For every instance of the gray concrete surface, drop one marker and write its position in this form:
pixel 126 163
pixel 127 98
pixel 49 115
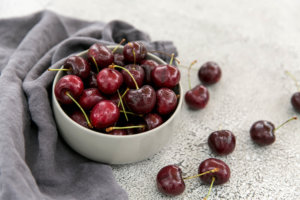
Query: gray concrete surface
pixel 254 42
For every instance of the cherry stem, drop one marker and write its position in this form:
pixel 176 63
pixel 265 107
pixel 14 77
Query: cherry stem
pixel 287 121
pixel 59 69
pixel 211 185
pixel 178 96
pixel 131 113
pixel 115 49
pixel 134 58
pixel 164 53
pixel 95 64
pixel 117 66
pixel 294 78
pixel 189 73
pixel 86 117
pixel 127 89
pixel 172 58
pixel 122 105
pixel 109 129
pixel 207 172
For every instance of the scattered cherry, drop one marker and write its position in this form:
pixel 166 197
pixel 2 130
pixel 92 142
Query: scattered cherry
pixel 134 52
pixel 209 73
pixel 100 56
pixel 222 142
pixel 263 132
pixel 222 175
pixel 166 101
pixel 295 99
pixel 89 98
pixel 104 114
pixel 109 80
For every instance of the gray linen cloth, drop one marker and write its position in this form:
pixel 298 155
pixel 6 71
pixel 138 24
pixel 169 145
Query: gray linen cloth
pixel 35 163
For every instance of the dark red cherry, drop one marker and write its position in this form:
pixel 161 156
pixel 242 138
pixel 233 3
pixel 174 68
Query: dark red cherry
pixel 166 101
pixel 78 117
pixel 69 83
pixel 165 76
pixel 262 132
pixel 141 101
pixel 119 59
pixel 101 54
pixel 78 66
pixel 197 98
pixel 115 98
pixel 222 142
pixel 153 120
pixel 295 100
pixel 139 50
pixel 209 73
pixel 91 81
pixel 104 114
pixel 222 175
pixel 109 80
pixel 148 66
pixel 89 98
pixel 169 180
pixel 118 132
pixel 138 74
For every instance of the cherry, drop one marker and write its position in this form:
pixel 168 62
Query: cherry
pixel 91 81
pixel 165 76
pixel 142 100
pixel 295 100
pixel 138 74
pixel 100 55
pixel 220 176
pixel 119 59
pixel 197 97
pixel 166 101
pixel 78 66
pixel 209 73
pixel 169 180
pixel 134 52
pixel 118 132
pixel 90 97
pixel 222 142
pixel 78 117
pixel 148 66
pixel 69 83
pixel 153 120
pixel 109 80
pixel 262 132
pixel 104 114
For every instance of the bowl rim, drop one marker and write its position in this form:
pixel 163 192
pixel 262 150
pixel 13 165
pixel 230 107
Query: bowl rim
pixel 97 133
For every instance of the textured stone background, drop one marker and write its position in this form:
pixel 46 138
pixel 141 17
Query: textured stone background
pixel 254 42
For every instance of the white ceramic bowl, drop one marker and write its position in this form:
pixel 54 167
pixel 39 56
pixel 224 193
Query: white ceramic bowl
pixel 114 149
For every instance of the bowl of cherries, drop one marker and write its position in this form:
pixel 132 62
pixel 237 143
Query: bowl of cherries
pixel 116 104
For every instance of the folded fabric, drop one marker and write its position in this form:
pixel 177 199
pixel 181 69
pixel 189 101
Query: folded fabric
pixel 35 162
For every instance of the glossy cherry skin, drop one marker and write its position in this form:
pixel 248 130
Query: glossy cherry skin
pixel 119 59
pixel 139 50
pixel 165 76
pixel 118 132
pixel 148 66
pixel 169 180
pixel 262 132
pixel 91 81
pixel 104 114
pixel 102 55
pixel 138 74
pixel 78 66
pixel 90 97
pixel 153 120
pixel 141 101
pixel 295 100
pixel 166 101
pixel 69 83
pixel 221 176
pixel 209 73
pixel 109 80
pixel 222 142
pixel 78 117
pixel 197 98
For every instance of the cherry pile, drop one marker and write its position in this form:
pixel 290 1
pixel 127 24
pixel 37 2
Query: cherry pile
pixel 118 93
